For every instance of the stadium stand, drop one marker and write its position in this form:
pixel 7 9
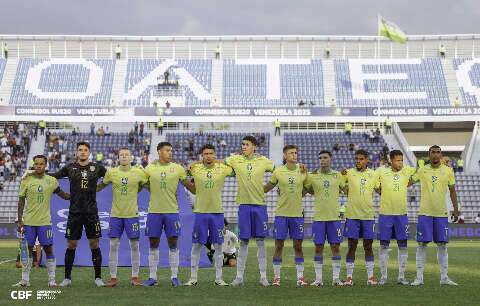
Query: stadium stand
pixel 194 78
pixel 63 82
pixel 472 78
pixel 246 84
pixel 15 140
pixel 421 76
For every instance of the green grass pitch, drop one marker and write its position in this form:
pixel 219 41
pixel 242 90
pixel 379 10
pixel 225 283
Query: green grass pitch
pixel 464 259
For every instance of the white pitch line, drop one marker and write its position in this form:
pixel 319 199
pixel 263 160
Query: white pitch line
pixel 8 260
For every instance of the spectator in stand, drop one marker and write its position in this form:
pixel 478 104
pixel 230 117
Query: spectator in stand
pixel 42 124
pixel 371 136
pixel 351 147
pixel 453 163
pixel 118 51
pixel 101 132
pixel 135 128
pixel 223 143
pixel 348 128
pixel 460 165
pixel 92 129
pixel 142 126
pixel 131 137
pixel 336 147
pixel 107 131
pixel 477 218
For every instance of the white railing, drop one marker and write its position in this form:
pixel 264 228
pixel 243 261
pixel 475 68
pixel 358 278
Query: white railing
pixel 470 147
pixel 397 132
pixel 236 46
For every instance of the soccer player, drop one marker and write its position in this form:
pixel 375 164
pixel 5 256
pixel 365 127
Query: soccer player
pixel 83 176
pixel 289 212
pixel 435 179
pixel 126 182
pixel 360 215
pixel 250 170
pixel 163 178
pixel 326 184
pixel 34 220
pixel 393 219
pixel 209 178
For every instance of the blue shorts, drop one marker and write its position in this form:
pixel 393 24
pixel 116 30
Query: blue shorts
pixel 393 227
pixel 432 229
pixel 356 229
pixel 43 232
pixel 130 225
pixel 332 230
pixel 252 221
pixel 156 223
pixel 288 225
pixel 208 227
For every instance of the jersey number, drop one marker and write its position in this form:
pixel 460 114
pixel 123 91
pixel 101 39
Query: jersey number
pixel 84 184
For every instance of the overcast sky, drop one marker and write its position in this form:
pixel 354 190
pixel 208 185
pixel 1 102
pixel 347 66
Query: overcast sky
pixel 247 17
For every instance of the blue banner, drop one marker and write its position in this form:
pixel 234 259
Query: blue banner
pixel 59 210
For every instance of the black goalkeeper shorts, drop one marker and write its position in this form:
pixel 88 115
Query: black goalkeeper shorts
pixel 76 223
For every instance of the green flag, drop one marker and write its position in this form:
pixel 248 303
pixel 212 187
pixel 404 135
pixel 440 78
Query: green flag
pixel 391 31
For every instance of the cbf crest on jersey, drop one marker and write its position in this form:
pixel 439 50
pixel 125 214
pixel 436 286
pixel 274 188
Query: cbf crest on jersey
pixel 326 184
pixel 291 180
pixel 249 167
pixel 84 174
pixel 396 177
pixel 92 168
pixel 163 175
pixel 209 174
pixel 124 180
pixel 363 181
pixel 40 188
pixel 434 178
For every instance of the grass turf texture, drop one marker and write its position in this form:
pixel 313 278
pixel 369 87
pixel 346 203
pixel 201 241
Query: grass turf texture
pixel 464 263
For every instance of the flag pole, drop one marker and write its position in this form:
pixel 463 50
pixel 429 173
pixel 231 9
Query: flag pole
pixel 378 70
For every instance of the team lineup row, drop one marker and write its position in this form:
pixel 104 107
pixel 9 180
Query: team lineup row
pixel 206 178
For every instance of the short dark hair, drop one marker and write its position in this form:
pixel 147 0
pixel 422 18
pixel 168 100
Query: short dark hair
pixel 250 138
pixel 362 152
pixel 163 144
pixel 40 156
pixel 123 148
pixel 225 222
pixel 394 153
pixel 325 152
pixel 83 143
pixel 434 147
pixel 289 147
pixel 207 146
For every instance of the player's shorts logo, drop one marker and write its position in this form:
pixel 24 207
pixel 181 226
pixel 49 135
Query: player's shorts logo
pixel 40 189
pixel 396 177
pixel 124 180
pixel 326 184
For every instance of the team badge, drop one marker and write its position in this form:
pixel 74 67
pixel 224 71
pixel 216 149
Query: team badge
pixel 249 167
pixel 209 174
pixel 124 180
pixel 326 184
pixel 84 174
pixel 92 168
pixel 363 181
pixel 434 178
pixel 396 177
pixel 163 175
pixel 40 188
